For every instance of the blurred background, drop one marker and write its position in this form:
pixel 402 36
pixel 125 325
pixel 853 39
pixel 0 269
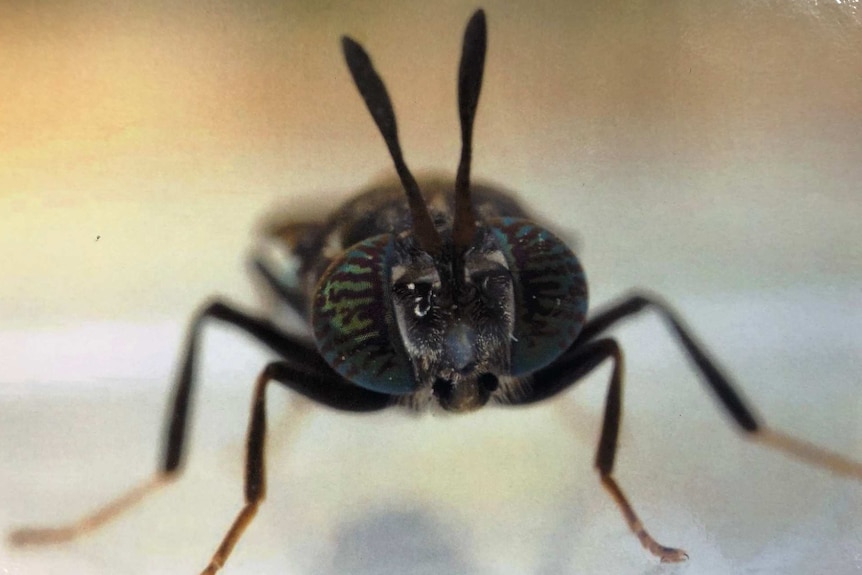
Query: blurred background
pixel 706 150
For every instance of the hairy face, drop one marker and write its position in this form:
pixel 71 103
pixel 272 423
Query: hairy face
pixel 456 331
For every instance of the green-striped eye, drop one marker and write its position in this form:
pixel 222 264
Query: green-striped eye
pixel 353 322
pixel 550 291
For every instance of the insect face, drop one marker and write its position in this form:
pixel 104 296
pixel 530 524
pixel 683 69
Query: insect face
pixel 391 317
pixel 450 299
pixel 456 331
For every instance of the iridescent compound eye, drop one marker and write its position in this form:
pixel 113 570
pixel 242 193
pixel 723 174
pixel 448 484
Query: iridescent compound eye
pixel 550 292
pixel 353 323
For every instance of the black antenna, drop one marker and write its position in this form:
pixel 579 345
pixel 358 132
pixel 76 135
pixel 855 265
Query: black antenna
pixel 377 100
pixel 469 85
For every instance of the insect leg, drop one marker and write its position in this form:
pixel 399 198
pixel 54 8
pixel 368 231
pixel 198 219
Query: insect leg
pixel 51 535
pixel 255 468
pixel 720 384
pixel 297 352
pixel 569 370
pixel 718 381
pixel 264 331
pixel 255 479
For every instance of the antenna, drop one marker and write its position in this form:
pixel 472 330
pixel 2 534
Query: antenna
pixel 377 100
pixel 469 85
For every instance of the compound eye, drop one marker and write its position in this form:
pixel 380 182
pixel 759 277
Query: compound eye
pixel 353 321
pixel 550 291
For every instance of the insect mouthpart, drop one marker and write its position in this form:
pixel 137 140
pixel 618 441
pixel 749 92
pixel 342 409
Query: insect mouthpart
pixel 461 394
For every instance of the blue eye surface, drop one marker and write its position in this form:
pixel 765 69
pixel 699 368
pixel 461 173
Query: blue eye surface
pixel 550 292
pixel 353 323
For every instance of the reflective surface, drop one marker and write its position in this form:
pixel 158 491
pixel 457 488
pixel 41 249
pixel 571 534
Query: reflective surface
pixel 706 151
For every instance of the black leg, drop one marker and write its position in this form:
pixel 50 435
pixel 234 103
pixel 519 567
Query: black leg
pixel 577 363
pixel 303 370
pixel 255 467
pixel 255 474
pixel 330 390
pixel 718 382
pixel 293 350
pixel 587 353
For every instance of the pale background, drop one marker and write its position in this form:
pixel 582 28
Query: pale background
pixel 707 150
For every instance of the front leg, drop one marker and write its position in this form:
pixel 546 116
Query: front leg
pixel 255 466
pixel 576 364
pixel 588 352
pixel 255 476
pixel 303 370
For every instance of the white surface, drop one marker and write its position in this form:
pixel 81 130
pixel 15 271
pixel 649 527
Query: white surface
pixel 706 151
pixel 502 491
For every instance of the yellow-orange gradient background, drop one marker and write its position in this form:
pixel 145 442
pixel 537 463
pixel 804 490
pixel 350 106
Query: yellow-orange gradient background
pixel 707 150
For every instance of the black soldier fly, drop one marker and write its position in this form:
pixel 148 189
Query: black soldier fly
pixel 449 296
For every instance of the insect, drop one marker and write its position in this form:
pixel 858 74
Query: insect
pixel 444 295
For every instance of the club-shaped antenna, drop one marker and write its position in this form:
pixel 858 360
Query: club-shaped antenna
pixel 469 85
pixel 379 105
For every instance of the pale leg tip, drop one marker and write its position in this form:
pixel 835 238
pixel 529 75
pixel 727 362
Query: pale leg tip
pixel 671 555
pixel 25 537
